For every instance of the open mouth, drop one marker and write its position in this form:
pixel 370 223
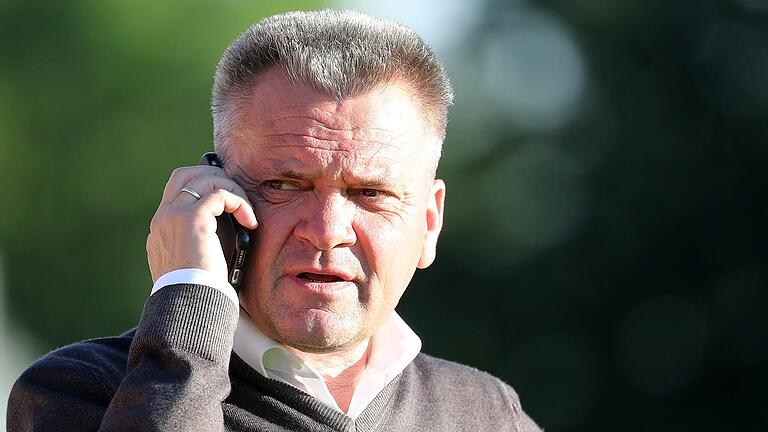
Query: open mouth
pixel 324 278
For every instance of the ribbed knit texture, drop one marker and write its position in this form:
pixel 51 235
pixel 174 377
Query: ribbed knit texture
pixel 207 333
pixel 176 372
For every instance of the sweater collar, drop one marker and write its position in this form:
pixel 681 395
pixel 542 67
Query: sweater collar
pixel 392 348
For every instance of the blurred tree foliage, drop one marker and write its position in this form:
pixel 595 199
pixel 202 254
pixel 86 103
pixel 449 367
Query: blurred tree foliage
pixel 605 241
pixel 612 242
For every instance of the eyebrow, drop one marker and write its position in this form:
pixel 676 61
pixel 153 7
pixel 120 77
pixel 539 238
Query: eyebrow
pixel 372 181
pixel 291 174
pixel 285 169
pixel 277 167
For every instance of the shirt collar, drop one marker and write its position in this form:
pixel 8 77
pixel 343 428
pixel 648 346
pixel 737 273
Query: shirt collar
pixel 250 343
pixel 392 349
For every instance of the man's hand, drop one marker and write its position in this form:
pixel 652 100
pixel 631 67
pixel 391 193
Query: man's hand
pixel 183 229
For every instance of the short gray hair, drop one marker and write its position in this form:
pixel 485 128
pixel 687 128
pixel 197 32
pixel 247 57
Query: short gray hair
pixel 338 53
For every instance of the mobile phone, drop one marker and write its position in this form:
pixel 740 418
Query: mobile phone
pixel 233 237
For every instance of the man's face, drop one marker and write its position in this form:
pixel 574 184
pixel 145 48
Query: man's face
pixel 346 204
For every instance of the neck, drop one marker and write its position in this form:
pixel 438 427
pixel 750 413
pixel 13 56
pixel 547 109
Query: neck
pixel 341 371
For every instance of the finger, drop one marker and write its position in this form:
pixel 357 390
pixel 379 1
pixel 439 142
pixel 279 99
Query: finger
pixel 184 175
pixel 223 201
pixel 206 184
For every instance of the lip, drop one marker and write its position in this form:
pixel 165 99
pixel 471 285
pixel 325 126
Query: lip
pixel 341 274
pixel 324 289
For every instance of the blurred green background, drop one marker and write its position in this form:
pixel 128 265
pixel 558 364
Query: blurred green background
pixel 605 243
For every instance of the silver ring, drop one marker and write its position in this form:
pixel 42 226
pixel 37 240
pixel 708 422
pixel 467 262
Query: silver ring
pixel 191 192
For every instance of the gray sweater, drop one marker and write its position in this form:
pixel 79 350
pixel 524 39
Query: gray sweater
pixel 176 372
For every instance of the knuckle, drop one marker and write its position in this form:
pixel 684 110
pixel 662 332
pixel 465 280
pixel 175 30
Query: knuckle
pixel 178 172
pixel 187 171
pixel 215 196
pixel 220 192
pixel 155 223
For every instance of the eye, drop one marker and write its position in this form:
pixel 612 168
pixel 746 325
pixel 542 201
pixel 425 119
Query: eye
pixel 365 192
pixel 369 192
pixel 281 185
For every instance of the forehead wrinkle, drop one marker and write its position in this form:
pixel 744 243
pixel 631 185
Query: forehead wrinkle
pixel 311 156
pixel 309 125
pixel 307 141
pixel 361 135
pixel 311 167
pixel 330 125
pixel 367 149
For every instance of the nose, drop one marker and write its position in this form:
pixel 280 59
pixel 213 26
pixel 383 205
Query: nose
pixel 326 222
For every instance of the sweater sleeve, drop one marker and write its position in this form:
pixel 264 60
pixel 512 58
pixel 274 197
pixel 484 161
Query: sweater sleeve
pixel 176 376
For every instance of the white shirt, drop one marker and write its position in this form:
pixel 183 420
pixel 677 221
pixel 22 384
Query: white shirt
pixel 391 349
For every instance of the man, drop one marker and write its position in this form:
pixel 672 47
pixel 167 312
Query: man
pixel 329 126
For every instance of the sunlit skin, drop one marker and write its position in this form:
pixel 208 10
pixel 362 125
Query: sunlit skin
pixel 347 210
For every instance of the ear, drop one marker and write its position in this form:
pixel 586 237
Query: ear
pixel 434 223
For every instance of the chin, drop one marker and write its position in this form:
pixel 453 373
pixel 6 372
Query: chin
pixel 320 331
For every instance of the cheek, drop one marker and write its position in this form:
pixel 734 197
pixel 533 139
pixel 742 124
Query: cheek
pixel 276 224
pixel 392 247
pixel 263 267
pixel 275 217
